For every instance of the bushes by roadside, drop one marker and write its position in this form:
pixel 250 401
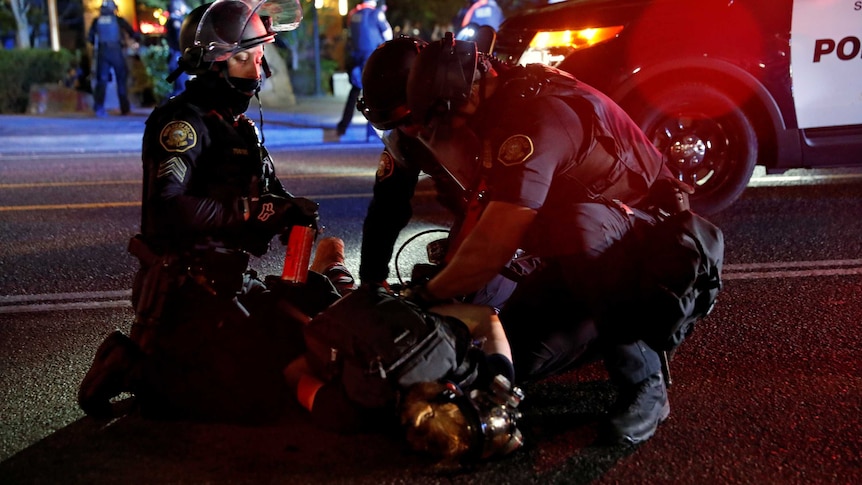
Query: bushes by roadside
pixel 22 68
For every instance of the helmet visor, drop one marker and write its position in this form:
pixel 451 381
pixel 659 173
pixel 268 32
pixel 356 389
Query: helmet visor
pixel 230 26
pixel 285 15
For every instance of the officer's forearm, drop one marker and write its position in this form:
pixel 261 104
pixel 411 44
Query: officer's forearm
pixel 471 268
pixel 488 247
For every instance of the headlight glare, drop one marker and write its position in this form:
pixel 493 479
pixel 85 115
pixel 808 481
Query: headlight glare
pixel 551 47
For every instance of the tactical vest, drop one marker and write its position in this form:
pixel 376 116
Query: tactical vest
pixel 108 30
pixel 610 168
pixel 364 30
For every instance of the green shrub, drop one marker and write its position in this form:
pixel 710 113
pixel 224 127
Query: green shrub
pixel 302 79
pixel 22 68
pixel 155 60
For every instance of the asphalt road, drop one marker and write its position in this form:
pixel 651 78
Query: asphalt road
pixel 767 390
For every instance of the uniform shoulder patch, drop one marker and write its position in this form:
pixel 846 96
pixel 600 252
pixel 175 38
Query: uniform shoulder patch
pixel 516 149
pixel 385 166
pixel 173 167
pixel 178 136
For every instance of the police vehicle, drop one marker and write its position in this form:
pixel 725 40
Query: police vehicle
pixel 718 85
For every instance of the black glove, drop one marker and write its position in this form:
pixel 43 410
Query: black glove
pixel 303 213
pixel 273 214
pixel 421 297
pixel 268 214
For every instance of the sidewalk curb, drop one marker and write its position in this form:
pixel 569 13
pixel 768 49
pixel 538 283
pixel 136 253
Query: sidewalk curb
pixel 311 121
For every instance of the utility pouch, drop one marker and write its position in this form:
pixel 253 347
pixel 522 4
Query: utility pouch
pixel 157 276
pixel 219 271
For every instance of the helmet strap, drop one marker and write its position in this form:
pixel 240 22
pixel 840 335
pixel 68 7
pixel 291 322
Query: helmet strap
pixel 260 115
pixel 176 72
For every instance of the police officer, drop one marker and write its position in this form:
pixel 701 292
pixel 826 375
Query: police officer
pixel 208 341
pixel 106 35
pixel 178 10
pixel 552 154
pixel 384 105
pixel 368 28
pixel 479 12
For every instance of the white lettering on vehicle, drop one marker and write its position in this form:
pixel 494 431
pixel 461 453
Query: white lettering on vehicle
pixel 826 62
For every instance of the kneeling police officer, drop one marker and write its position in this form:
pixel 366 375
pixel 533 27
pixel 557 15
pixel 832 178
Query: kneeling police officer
pixel 207 341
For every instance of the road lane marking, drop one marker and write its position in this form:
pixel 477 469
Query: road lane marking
pixel 791 274
pixel 121 298
pixel 52 207
pixel 49 302
pixel 37 185
pixel 104 205
pixel 791 269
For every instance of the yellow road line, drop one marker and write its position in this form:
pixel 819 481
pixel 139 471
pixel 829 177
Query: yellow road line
pixel 32 185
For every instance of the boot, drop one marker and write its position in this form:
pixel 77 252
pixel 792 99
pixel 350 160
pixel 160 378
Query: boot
pixel 638 412
pixel 109 375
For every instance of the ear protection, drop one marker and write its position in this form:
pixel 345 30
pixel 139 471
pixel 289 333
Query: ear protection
pixel 193 60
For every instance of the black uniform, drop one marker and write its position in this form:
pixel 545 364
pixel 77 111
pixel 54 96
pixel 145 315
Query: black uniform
pixel 551 143
pixel 401 162
pixel 215 337
pixel 106 35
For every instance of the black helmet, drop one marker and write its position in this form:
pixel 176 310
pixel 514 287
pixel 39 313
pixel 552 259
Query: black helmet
pixel 107 7
pixel 384 82
pixel 216 31
pixel 441 77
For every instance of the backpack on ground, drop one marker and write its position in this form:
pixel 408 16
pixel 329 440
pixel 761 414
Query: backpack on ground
pixel 677 276
pixel 377 343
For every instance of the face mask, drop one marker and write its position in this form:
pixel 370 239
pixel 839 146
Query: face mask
pixel 247 87
pixel 237 92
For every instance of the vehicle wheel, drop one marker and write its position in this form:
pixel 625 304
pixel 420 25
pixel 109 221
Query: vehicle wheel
pixel 707 140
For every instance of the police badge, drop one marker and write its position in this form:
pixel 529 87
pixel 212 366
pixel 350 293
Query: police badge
pixel 178 136
pixel 385 166
pixel 516 149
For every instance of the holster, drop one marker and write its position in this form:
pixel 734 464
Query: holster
pixel 219 271
pixel 157 274
pixel 670 196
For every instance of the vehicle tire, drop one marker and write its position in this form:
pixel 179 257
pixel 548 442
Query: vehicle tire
pixel 707 140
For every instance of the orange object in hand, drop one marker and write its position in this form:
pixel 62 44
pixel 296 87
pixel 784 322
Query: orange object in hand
pixel 298 254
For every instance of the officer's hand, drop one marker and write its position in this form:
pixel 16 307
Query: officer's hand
pixel 420 296
pixel 304 212
pixel 268 213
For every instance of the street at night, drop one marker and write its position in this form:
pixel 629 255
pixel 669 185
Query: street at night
pixel 767 390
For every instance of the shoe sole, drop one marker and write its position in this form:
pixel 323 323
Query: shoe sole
pixel 636 440
pixel 98 407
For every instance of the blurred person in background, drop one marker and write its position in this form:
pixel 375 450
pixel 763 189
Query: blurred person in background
pixel 178 11
pixel 368 28
pixel 107 36
pixel 478 13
